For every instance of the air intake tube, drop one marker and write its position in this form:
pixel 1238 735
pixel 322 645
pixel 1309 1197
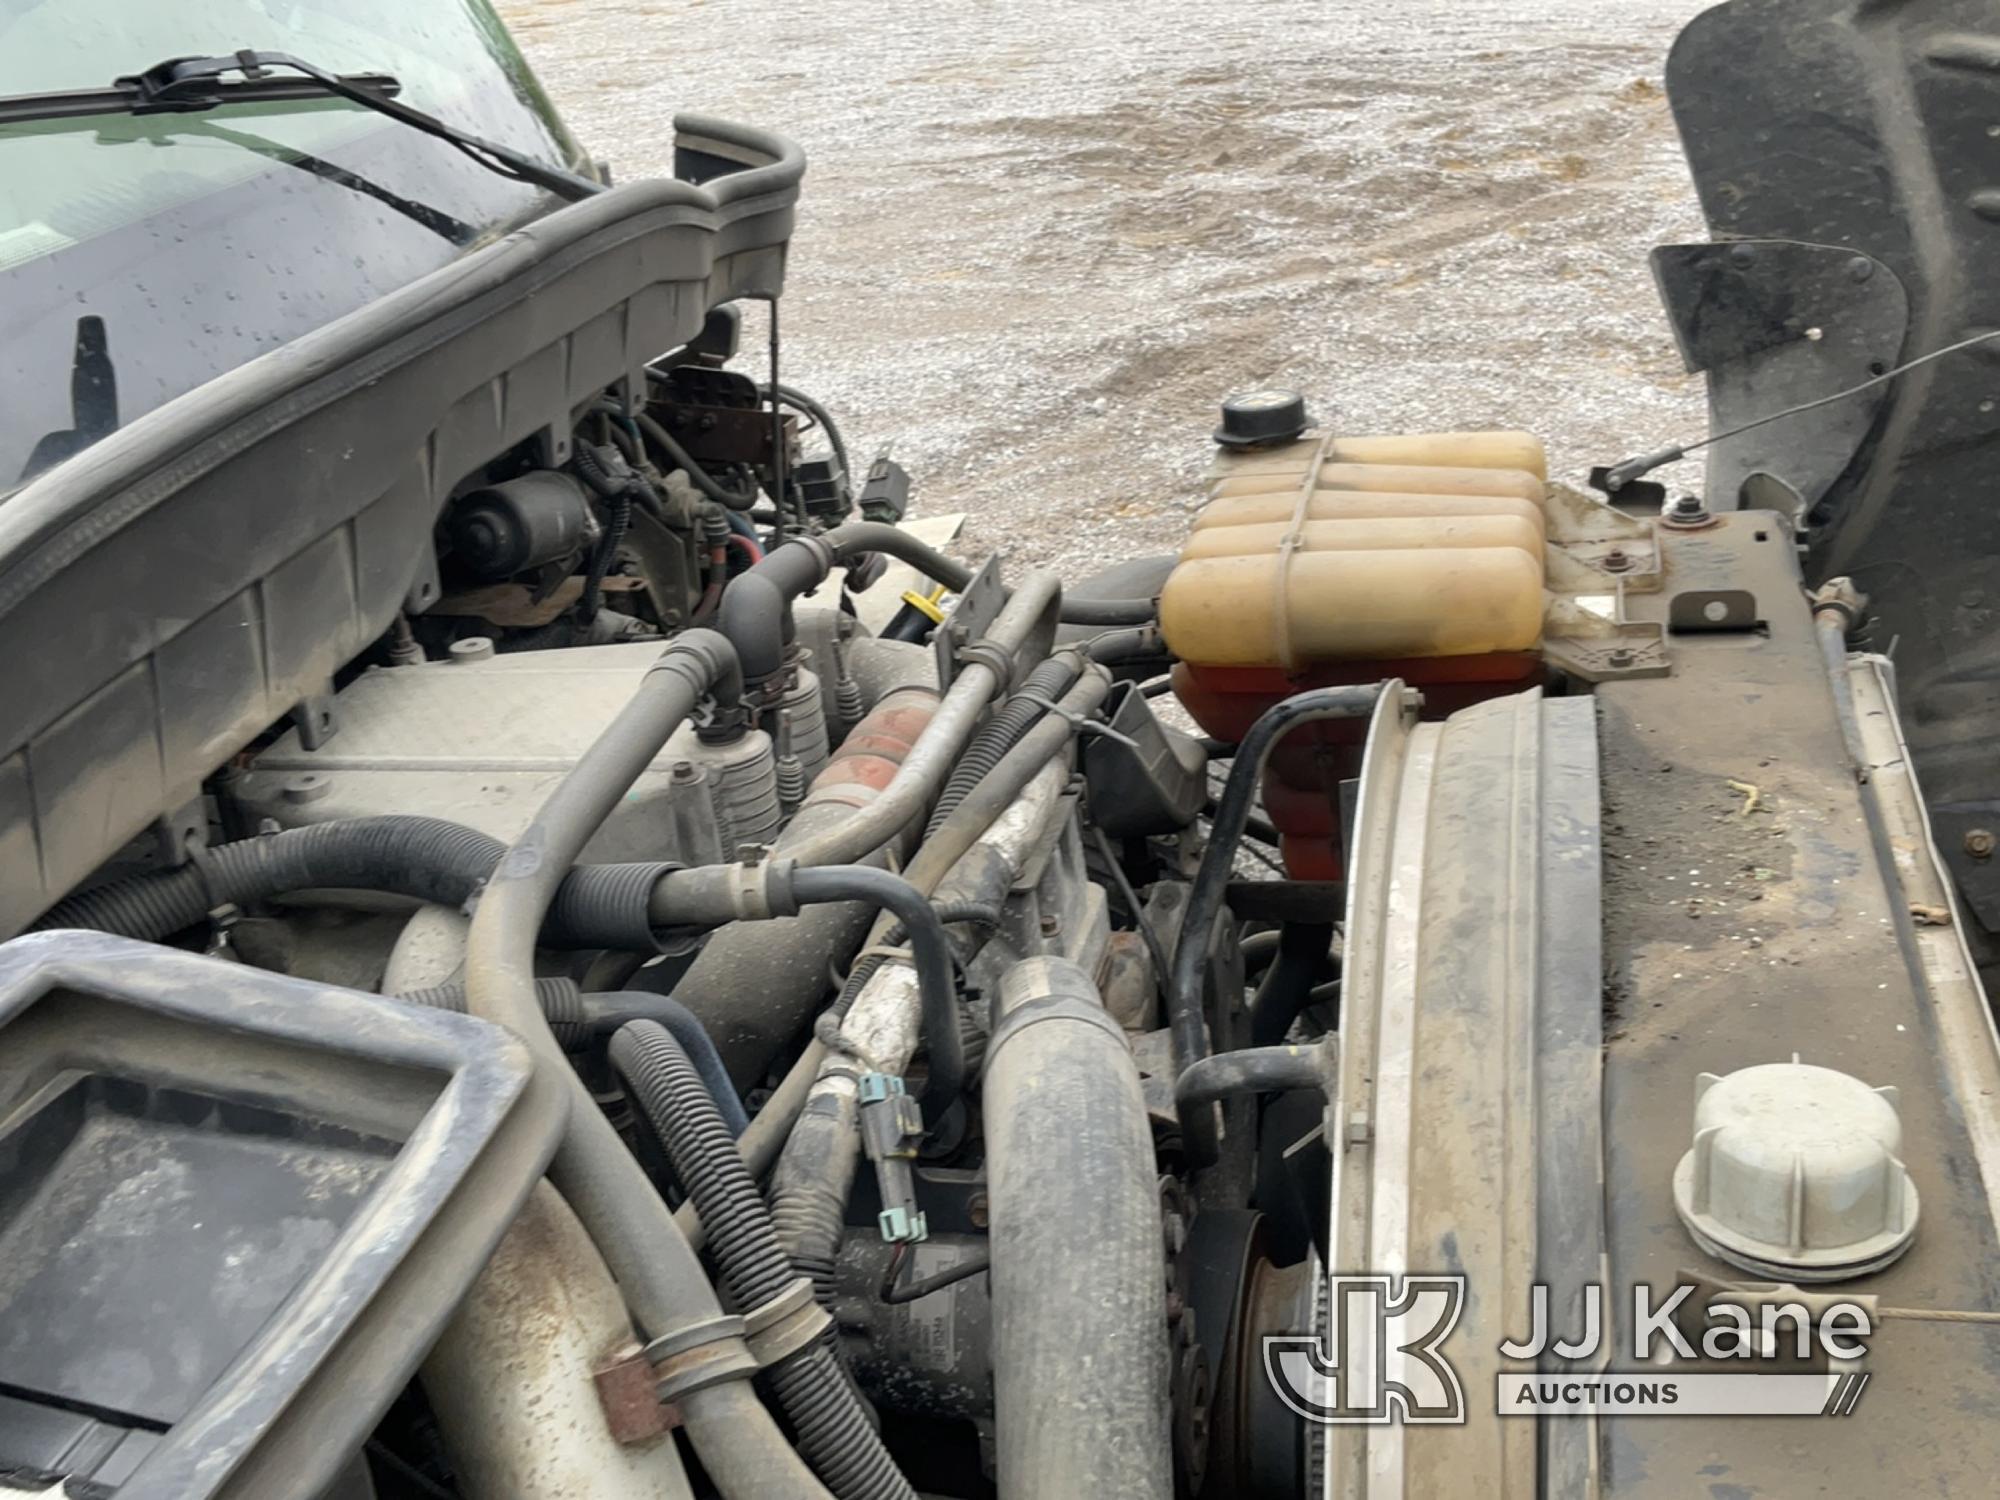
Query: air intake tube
pixel 1079 1299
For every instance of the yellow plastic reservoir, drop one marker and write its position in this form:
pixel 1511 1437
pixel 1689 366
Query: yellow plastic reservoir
pixel 1441 450
pixel 1371 534
pixel 1357 505
pixel 1339 548
pixel 1410 479
pixel 1261 611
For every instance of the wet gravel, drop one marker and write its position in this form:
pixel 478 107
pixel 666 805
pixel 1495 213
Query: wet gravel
pixel 1038 243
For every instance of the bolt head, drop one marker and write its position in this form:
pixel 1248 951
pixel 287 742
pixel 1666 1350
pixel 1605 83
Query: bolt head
pixel 1979 843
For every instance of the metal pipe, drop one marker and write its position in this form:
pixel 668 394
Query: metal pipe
pixel 815 1172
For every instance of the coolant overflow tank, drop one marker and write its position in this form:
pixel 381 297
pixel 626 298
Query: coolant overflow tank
pixel 1796 1173
pixel 1337 559
pixel 1289 568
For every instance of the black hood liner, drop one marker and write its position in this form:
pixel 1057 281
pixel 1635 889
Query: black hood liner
pixel 1869 129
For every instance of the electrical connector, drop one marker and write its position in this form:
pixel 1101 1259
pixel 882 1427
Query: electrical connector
pixel 892 1128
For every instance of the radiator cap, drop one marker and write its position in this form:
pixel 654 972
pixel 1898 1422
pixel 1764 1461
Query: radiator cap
pixel 1252 419
pixel 1796 1173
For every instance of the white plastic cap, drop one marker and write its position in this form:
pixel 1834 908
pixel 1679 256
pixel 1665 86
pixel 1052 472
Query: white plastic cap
pixel 1797 1173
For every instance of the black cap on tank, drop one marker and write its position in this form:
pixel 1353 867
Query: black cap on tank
pixel 1251 419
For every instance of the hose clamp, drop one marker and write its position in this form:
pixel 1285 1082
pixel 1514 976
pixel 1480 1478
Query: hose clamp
pixel 993 656
pixel 699 1356
pixel 762 890
pixel 791 1321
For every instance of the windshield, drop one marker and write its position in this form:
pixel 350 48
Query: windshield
pixel 141 256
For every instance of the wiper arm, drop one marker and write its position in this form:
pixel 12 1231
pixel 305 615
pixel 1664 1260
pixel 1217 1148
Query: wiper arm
pixel 187 84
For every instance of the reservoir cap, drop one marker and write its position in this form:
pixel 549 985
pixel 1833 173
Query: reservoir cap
pixel 1251 419
pixel 1796 1173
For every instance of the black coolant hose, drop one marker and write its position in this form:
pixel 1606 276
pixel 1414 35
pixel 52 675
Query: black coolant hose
pixel 792 396
pixel 1301 962
pixel 1003 731
pixel 608 1012
pixel 427 859
pixel 1080 1356
pixel 974 913
pixel 579 1019
pixel 423 859
pixel 930 956
pixel 834 1432
pixel 1188 1027
pixel 617 491
pixel 1135 643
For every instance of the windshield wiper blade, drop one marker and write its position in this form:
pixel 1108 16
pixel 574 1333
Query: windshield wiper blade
pixel 128 97
pixel 186 84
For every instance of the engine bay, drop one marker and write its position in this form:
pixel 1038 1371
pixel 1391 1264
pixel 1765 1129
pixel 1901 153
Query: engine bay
pixel 578 955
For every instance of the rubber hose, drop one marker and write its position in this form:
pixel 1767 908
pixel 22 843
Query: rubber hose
pixel 616 490
pixel 561 1002
pixel 660 1277
pixel 1287 987
pixel 792 396
pixel 930 956
pixel 810 1184
pixel 1185 1021
pixel 1139 643
pixel 609 1011
pixel 592 598
pixel 426 859
pixel 697 475
pixel 1003 731
pixel 1253 1070
pixel 1078 1302
pixel 834 1431
pixel 854 538
pixel 951 913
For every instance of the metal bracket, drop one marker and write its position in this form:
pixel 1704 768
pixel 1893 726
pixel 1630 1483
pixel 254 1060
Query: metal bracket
pixel 314 716
pixel 1635 648
pixel 978 605
pixel 632 1407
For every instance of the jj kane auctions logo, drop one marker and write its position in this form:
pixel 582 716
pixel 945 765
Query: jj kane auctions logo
pixel 1382 1357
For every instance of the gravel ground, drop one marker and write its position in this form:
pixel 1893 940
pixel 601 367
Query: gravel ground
pixel 1038 243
